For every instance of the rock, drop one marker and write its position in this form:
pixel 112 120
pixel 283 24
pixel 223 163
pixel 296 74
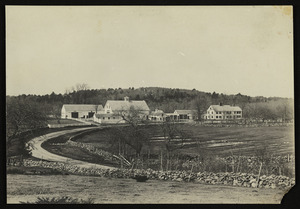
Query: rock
pixel 273 186
pixel 254 184
pixel 208 180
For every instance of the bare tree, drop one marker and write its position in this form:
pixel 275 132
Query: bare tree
pixel 81 87
pixel 22 116
pixel 174 139
pixel 134 134
pixel 201 104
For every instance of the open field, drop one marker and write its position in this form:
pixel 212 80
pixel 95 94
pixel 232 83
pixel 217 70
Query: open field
pixel 105 190
pixel 203 148
pixel 56 145
pixel 218 141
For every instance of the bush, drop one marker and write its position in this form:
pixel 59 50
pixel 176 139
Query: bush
pixel 14 170
pixel 34 171
pixel 60 200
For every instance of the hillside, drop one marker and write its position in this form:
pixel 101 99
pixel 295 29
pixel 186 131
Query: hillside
pixel 166 99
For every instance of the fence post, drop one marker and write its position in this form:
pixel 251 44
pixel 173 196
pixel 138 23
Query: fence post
pixel 161 161
pixel 237 169
pixel 191 173
pixel 258 174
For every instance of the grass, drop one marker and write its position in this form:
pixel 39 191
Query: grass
pixel 28 188
pixel 204 142
pixel 218 141
pixel 32 170
pixel 17 144
pixel 63 121
pixel 59 200
pixel 73 152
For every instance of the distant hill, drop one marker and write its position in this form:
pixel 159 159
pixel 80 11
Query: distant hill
pixel 166 99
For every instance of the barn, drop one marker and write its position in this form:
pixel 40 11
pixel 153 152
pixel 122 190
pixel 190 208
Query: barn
pixel 114 109
pixel 82 111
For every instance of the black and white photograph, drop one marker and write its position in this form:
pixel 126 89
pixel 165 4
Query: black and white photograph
pixel 149 104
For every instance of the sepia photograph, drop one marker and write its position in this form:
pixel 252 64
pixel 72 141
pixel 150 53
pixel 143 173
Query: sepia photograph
pixel 149 104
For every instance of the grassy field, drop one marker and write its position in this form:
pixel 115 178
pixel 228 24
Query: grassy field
pixel 105 190
pixel 32 170
pixel 57 146
pixel 17 144
pixel 204 143
pixel 218 141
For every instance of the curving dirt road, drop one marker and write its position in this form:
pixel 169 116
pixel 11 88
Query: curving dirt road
pixel 38 152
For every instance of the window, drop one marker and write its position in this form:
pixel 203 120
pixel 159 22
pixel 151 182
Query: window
pixel 108 118
pixel 212 116
pixel 114 118
pixel 220 117
pixel 212 112
pixel 217 116
pixel 103 118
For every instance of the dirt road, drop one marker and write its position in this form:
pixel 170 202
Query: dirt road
pixel 38 152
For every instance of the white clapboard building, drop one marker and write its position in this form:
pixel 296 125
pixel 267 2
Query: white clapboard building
pixel 114 109
pixel 82 111
pixel 223 112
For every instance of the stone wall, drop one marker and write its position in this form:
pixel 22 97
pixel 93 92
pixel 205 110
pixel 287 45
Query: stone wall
pixel 234 179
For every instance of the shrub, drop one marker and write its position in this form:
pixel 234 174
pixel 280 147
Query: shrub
pixel 60 200
pixel 14 170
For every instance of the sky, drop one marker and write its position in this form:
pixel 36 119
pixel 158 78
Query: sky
pixel 226 49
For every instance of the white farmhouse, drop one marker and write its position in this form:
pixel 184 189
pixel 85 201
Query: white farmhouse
pixel 223 112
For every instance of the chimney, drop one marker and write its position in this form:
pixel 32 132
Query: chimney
pixel 221 104
pixel 126 99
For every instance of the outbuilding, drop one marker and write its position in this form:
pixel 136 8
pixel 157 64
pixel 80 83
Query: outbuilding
pixel 82 111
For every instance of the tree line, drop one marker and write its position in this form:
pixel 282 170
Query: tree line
pixel 25 112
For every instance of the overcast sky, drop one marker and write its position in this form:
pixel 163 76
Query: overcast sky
pixel 223 49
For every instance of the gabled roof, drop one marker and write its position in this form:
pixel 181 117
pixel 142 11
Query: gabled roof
pixel 125 105
pixel 82 107
pixel 157 113
pixel 185 112
pixel 225 108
